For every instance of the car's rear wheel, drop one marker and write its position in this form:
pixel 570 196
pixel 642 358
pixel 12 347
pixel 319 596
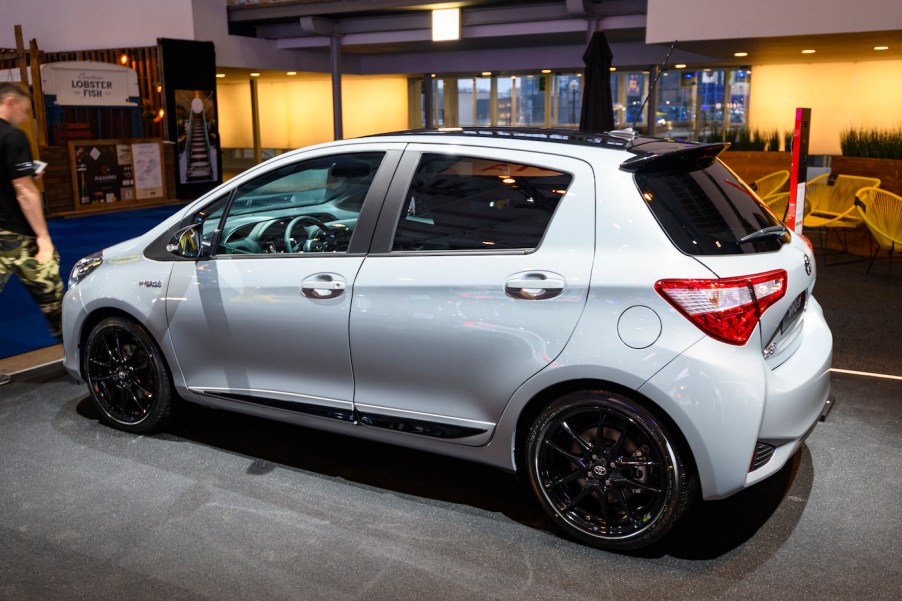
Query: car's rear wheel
pixel 127 376
pixel 606 470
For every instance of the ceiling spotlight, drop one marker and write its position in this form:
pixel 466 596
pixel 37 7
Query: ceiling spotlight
pixel 123 59
pixel 808 51
pixel 486 73
pixel 740 54
pixel 881 47
pixel 220 75
pixel 292 73
pixel 613 69
pixel 546 71
pixel 680 66
pixel 445 24
pixel 255 74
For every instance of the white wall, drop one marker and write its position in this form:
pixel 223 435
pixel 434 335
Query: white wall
pixel 210 20
pixel 63 25
pixel 688 20
pixel 298 113
pixel 840 96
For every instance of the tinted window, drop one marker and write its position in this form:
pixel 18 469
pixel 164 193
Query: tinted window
pixel 467 203
pixel 308 206
pixel 708 212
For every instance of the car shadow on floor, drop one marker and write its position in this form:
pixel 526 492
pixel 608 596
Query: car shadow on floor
pixel 708 530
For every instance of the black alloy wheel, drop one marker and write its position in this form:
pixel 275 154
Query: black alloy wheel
pixel 127 376
pixel 607 471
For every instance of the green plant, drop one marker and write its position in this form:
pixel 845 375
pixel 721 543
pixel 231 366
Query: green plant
pixel 746 139
pixel 715 136
pixel 872 142
pixel 787 141
pixel 773 141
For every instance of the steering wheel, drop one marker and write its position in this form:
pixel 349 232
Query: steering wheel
pixel 245 245
pixel 291 245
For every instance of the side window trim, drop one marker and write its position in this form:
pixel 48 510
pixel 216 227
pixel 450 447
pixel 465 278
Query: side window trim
pixel 370 210
pixel 394 201
pixel 397 199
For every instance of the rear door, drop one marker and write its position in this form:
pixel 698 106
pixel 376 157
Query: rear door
pixel 477 278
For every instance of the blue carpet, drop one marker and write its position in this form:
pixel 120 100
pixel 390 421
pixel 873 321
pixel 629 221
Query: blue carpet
pixel 22 326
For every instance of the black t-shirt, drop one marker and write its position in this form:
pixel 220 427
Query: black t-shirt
pixel 15 162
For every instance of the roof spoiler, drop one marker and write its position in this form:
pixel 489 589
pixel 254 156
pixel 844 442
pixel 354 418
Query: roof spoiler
pixel 690 158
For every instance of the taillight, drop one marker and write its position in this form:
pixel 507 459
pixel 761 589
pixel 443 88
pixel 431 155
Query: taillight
pixel 729 308
pixel 807 241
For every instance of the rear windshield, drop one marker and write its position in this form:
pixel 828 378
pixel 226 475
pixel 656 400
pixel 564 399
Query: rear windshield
pixel 708 212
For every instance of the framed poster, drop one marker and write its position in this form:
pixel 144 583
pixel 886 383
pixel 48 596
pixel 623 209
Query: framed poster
pixel 106 172
pixel 198 145
pixel 188 68
pixel 148 169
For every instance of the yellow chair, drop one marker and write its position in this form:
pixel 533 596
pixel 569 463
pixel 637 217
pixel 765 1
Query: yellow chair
pixel 779 204
pixel 770 184
pixel 833 201
pixel 881 212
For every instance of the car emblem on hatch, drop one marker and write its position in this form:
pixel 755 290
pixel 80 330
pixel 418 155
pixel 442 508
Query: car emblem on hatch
pixel 807 262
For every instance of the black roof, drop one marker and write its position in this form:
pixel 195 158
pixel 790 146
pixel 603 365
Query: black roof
pixel 653 154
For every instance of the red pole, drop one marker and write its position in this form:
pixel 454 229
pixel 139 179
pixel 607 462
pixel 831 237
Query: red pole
pixel 795 213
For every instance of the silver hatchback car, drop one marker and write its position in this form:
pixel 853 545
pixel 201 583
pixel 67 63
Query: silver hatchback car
pixel 617 318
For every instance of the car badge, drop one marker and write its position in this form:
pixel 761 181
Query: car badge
pixel 807 262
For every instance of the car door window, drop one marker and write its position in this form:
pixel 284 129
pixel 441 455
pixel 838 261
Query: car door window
pixel 469 203
pixel 306 207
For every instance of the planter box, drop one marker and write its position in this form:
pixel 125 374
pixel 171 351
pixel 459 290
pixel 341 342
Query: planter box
pixel 753 164
pixel 888 170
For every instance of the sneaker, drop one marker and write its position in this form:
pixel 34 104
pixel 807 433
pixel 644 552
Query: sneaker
pixel 4 379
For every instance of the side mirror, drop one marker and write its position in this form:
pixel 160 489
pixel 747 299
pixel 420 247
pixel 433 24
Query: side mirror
pixel 188 243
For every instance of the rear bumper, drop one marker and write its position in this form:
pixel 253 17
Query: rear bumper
pixel 797 394
pixel 725 400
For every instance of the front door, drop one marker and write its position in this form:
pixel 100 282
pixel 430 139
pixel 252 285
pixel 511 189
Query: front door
pixel 265 320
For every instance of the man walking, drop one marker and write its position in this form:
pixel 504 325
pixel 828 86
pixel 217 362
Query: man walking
pixel 25 246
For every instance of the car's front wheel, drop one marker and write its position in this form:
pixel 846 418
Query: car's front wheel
pixel 127 376
pixel 606 470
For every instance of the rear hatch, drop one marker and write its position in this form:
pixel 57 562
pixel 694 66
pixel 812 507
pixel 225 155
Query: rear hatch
pixel 762 274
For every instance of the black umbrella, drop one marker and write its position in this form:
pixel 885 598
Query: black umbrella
pixel 598 106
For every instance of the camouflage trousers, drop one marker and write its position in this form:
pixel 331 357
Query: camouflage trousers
pixel 42 280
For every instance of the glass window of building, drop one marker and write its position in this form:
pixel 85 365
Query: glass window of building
pixel 703 104
pixel 530 100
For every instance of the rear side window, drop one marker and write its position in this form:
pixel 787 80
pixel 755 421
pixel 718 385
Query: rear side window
pixel 709 211
pixel 470 203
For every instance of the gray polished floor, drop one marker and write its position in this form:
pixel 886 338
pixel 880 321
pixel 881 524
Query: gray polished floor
pixel 223 506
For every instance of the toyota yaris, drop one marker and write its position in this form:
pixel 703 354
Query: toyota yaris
pixel 616 318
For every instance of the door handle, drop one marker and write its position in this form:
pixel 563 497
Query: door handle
pixel 323 285
pixel 534 285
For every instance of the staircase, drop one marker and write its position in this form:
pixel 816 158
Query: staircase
pixel 198 149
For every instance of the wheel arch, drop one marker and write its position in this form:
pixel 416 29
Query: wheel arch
pixel 539 401
pixel 98 315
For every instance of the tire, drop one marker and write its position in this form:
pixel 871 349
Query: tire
pixel 621 492
pixel 127 376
